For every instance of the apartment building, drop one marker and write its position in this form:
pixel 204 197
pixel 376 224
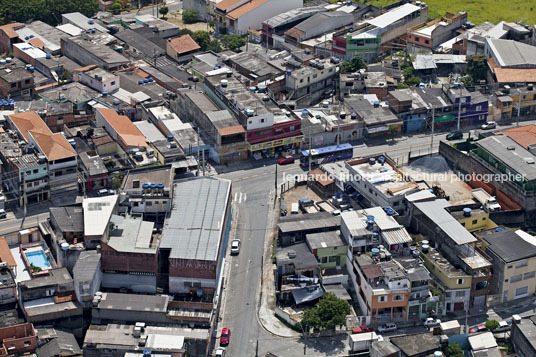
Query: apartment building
pixel 381 284
pixel 307 85
pixel 453 285
pixel 100 80
pixel 97 214
pixel 513 258
pixel 429 35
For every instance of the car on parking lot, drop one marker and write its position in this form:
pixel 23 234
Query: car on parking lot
pixel 225 336
pixel 286 160
pixel 488 125
pixel 220 352
pixel 504 326
pixel 431 322
pixel 478 328
pixel 455 135
pixel 235 246
pixel 388 327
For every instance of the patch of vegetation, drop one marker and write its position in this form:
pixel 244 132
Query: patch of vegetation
pixel 480 10
pixel 163 11
pixel 233 42
pixel 328 313
pixel 455 350
pixel 353 65
pixel 48 11
pixel 189 16
pixel 492 324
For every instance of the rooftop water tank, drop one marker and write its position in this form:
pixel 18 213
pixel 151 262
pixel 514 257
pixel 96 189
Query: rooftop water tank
pixel 288 72
pixel 8 59
pixel 425 242
pixel 90 21
pixel 370 219
pixel 223 82
pixel 140 82
pixel 425 248
pixel 375 251
pixel 467 212
pixel 31 68
pixel 145 186
pixel 104 93
pixel 145 81
pixel 161 186
pixel 93 30
pixel 150 79
pixel 64 246
pixel 170 137
pixel 153 185
pixel 499 229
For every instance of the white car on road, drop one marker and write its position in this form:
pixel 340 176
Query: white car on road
pixel 235 246
pixel 388 327
pixel 431 323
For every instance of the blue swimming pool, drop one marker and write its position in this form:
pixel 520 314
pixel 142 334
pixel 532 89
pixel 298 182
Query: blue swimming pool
pixel 37 259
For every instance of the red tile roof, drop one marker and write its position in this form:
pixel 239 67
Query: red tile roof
pixel 244 9
pixel 29 121
pixel 225 4
pixel 9 29
pixel 524 136
pixel 5 253
pixel 236 129
pixel 183 44
pixel 123 127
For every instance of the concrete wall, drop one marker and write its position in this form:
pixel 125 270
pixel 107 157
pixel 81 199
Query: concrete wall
pixel 137 283
pixel 255 17
pixel 198 5
pixel 176 284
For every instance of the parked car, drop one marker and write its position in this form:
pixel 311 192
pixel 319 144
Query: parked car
pixel 478 328
pixel 235 246
pixel 336 212
pixel 286 160
pixel 388 327
pixel 455 135
pixel 488 125
pixel 431 323
pixel 103 192
pixel 362 329
pixel 3 214
pixel 504 326
pixel 220 352
pixel 225 336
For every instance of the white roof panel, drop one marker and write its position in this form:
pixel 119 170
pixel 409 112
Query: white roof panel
pixel 393 16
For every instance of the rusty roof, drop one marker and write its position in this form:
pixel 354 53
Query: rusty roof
pixel 37 42
pixel 321 177
pixel 235 129
pixel 372 271
pixel 9 29
pixel 5 253
pixel 225 4
pixel 294 32
pixel 183 44
pixel 524 136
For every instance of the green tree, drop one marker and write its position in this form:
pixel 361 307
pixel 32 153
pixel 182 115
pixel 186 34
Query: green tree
pixel 354 65
pixel 477 67
pixel 116 183
pixel 329 312
pixel 116 7
pixel 163 11
pixel 454 350
pixel 189 16
pixel 214 46
pixel 467 80
pixel 48 11
pixel 66 75
pixel 185 31
pixel 232 42
pixel 202 38
pixel 492 324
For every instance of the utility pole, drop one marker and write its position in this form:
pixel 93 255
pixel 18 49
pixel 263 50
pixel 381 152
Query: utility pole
pixel 433 126
pixel 339 127
pixel 459 107
pixel 197 131
pixel 276 164
pixel 518 106
pixel 203 162
pixel 310 154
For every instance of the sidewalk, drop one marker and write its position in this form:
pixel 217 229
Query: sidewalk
pixel 266 311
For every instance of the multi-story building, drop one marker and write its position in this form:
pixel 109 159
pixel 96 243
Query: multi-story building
pixel 149 192
pixel 28 180
pixel 429 35
pixel 88 49
pixel 87 276
pixel 451 284
pixel 59 154
pixel 474 106
pixel 94 171
pixel 120 129
pixel 379 34
pixel 67 223
pixel 510 62
pixel 238 16
pixel 316 25
pixel 329 249
pixel 16 83
pixel 97 214
pixel 381 284
pixel 217 127
pixel 371 227
pixel 274 27
pixel 378 120
pixel 422 303
pixel 308 84
pixel 196 270
pixel 432 219
pixel 8 289
pixel 513 256
pixel 129 255
pixel 100 80
pixel 51 299
pixel 378 180
pixel 18 339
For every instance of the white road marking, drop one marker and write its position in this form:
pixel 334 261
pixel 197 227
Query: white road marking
pixel 236 196
pixel 240 198
pixel 245 196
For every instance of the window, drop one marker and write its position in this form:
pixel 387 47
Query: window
pixel 505 295
pixel 483 218
pixel 382 298
pixel 27 343
pixel 155 202
pixel 529 275
pixel 136 204
pixel 475 221
pixel 463 224
pixel 113 83
pixel 459 281
pixel 448 294
pixel 164 202
pixel 417 39
pixel 301 80
pixel 460 293
pixel 395 203
pixel 510 266
pixel 27 81
pixel 330 70
pixel 148 203
pixel 516 278
pixel 262 120
pixel 426 41
pixel 315 75
pixel 398 298
pixel 324 260
pixel 522 264
pixel 332 259
pixel 522 292
pixel 478 107
pixel 13 85
pixel 35 171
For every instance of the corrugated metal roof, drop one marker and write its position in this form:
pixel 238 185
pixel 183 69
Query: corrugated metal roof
pixel 195 226
pixel 517 159
pixel 394 15
pixel 435 211
pixel 397 236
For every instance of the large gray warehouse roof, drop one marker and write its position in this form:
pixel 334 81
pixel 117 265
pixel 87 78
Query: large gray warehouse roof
pixel 195 226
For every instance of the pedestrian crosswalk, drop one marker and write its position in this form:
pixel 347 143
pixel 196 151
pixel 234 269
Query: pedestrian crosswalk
pixel 240 197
